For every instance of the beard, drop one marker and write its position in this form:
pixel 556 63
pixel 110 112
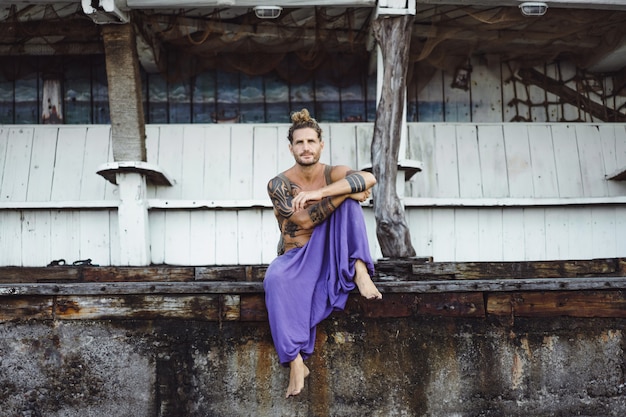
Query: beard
pixel 306 163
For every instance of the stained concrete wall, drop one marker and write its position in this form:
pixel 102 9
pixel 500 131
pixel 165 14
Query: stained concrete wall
pixel 418 366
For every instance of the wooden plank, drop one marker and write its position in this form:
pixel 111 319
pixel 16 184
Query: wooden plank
pixel 97 151
pixel 580 232
pixel 468 159
pixel 152 152
pixel 202 238
pixel 513 248
pixel 486 91
pixel 568 174
pixel 4 141
pixel 42 164
pixel 586 304
pixel 446 163
pixel 342 148
pixel 492 161
pixel 364 134
pixel 177 237
pixel 451 305
pixel 25 308
pixel 141 274
pixel 457 107
pixel 227 236
pixel 220 273
pixel 36 242
pixel 534 234
pixel 114 240
pixel 270 236
pixel 94 236
pixel 620 224
pixel 610 136
pixel 30 274
pixel 157 236
pixel 542 158
pixel 591 161
pixel 557 233
pixel 604 236
pixel 68 164
pixel 466 234
pixel 145 307
pixel 11 238
pixel 241 162
pixel 192 170
pixel 249 236
pixel 264 159
pixel 14 184
pixel 64 241
pixel 285 158
pixel 420 222
pixel 170 159
pixel 327 136
pixel 490 237
pixel 252 308
pixel 217 159
pixel 421 147
pixel 518 162
pixel 444 224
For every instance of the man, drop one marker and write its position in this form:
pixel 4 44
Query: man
pixel 323 251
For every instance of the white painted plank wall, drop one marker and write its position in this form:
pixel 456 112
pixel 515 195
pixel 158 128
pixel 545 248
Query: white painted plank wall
pixel 515 167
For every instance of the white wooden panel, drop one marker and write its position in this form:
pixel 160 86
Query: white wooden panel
pixel 370 224
pixel 364 136
pixel 227 236
pixel 565 155
pixel 610 135
pixel 42 164
pixel 420 222
pixel 513 234
pixel 604 238
pixel 581 233
pixel 265 159
pixel 620 226
pixel 157 236
pixel 270 236
pixel 568 72
pixel 470 181
pixel 202 237
pixel 443 235
pixel 36 238
pixel 152 152
pixel 97 151
pixel 457 107
pixel 486 92
pixel 114 240
pixel 250 235
pixel 342 147
pixel 285 158
pixel 4 141
pixel 192 173
pixel 328 138
pixel 16 165
pixel 534 234
pixel 537 96
pixel 510 93
pixel 170 158
pixel 591 162
pixel 177 237
pixel 490 238
pixel 492 161
pixel 542 158
pixel 65 235
pixel 466 234
pixel 11 238
pixel 421 147
pixel 446 163
pixel 217 159
pixel 553 108
pixel 68 165
pixel 94 236
pixel 518 162
pixel 557 233
pixel 241 165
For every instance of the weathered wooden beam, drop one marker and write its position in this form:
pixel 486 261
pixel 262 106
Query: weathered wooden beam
pixel 248 287
pixel 26 308
pixel 559 303
pixel 126 274
pixel 35 274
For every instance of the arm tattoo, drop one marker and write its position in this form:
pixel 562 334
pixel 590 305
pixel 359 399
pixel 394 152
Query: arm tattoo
pixel 281 197
pixel 320 211
pixel 357 182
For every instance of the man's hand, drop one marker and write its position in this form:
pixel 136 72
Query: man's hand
pixel 362 196
pixel 305 198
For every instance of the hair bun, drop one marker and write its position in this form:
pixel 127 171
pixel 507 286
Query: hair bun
pixel 301 116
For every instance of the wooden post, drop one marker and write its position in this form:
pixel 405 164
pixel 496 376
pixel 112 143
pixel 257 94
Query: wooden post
pixel 128 140
pixel 393 35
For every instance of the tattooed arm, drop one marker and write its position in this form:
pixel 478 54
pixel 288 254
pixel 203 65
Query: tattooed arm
pixel 345 183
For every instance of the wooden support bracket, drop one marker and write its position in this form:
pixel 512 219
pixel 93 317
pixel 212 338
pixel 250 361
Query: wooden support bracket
pixel 153 173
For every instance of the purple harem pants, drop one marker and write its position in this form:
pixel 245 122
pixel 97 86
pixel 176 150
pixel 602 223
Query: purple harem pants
pixel 305 285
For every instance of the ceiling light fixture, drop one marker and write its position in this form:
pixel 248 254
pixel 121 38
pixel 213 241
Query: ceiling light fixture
pixel 533 8
pixel 267 12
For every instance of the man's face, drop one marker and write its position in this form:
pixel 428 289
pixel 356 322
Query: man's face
pixel 306 146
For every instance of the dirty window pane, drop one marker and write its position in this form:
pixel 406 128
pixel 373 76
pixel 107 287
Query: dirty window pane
pixel 204 97
pixel 157 99
pixel 276 100
pixel 179 95
pixel 353 102
pixel 27 100
pixel 327 99
pixel 100 91
pixel 302 96
pixel 252 99
pixel 77 93
pixel 6 100
pixel 227 98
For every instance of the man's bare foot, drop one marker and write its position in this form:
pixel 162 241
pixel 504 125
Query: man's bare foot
pixel 298 372
pixel 364 282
